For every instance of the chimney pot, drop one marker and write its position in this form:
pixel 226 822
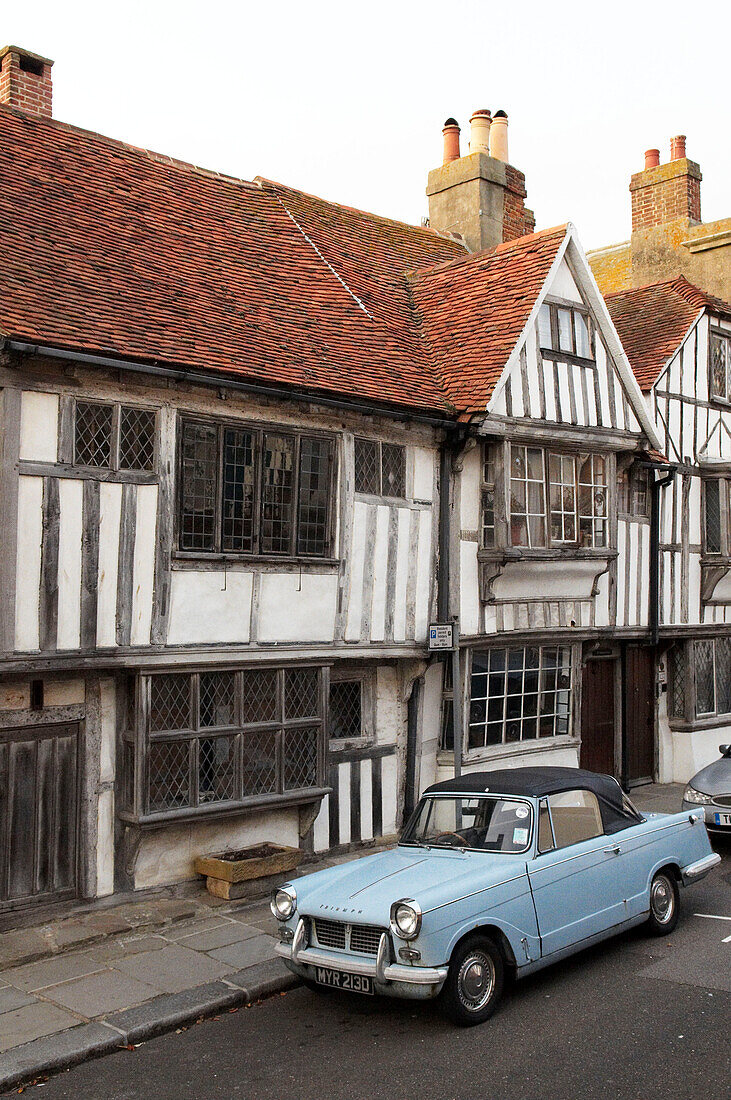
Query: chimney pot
pixel 451 133
pixel 677 147
pixel 652 158
pixel 499 137
pixel 480 132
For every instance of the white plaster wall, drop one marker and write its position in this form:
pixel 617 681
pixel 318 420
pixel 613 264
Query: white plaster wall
pixel 566 757
pixel 563 286
pixel 108 723
pixel 469 596
pixel 167 855
pixel 380 566
pixel 469 490
pixel 424 576
pixel 391 794
pixel 144 564
pixel 529 579
pixel 110 511
pixel 390 708
pixel 63 693
pixel 70 494
pixel 105 844
pixel 402 575
pixel 39 426
pixel 423 486
pixel 430 726
pixel 356 567
pixel 28 574
pixel 297 608
pixel 210 607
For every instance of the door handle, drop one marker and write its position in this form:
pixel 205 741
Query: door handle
pixel 613 851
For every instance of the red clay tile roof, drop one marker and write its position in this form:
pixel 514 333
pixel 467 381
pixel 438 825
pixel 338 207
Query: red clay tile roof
pixel 111 249
pixel 473 310
pixel 652 322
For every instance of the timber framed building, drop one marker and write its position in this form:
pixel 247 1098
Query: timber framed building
pixel 252 444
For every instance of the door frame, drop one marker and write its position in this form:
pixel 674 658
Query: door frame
pixel 26 732
pixel 607 652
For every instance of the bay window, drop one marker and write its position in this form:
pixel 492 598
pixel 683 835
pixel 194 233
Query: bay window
pixel 556 499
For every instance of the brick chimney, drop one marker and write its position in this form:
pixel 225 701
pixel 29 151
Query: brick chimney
pixel 666 192
pixel 25 81
pixel 479 196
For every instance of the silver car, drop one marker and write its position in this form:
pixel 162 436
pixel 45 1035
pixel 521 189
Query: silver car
pixel 711 789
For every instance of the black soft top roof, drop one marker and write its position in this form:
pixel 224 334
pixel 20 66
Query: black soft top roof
pixel 533 782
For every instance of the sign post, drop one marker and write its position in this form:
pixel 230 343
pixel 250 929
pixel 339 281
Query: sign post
pixel 445 636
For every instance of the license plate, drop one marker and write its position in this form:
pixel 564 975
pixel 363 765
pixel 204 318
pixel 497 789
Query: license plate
pixel 336 979
pixel 722 819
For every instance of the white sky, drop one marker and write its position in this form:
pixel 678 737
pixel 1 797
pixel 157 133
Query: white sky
pixel 347 100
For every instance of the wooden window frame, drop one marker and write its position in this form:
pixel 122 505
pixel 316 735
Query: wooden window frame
pixel 715 333
pixel 366 678
pixel 555 351
pixel 259 431
pixel 115 466
pixel 380 444
pixel 691 718
pixel 136 744
pixel 724 505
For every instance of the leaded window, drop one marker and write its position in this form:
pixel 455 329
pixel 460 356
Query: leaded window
pixel 565 330
pixel 380 468
pixel 345 717
pixel 214 737
pixel 720 365
pixel 488 538
pixel 712 676
pixel 114 437
pixel 715 515
pixel 519 693
pixel 576 489
pixel 244 490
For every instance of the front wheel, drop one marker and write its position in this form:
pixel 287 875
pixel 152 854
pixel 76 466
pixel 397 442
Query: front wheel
pixel 474 983
pixel 664 904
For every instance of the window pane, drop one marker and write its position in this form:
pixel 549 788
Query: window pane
pixel 259 772
pixel 301 693
pixel 576 817
pixel 581 329
pixel 169 775
pixel 704 678
pixel 136 439
pixel 593 501
pixel 170 702
pixel 313 498
pixel 367 467
pixel 678 663
pixel 93 435
pixel 277 494
pixel 723 675
pixel 562 488
pixel 300 758
pixel 544 327
pixel 345 718
pixel 393 462
pixel 488 518
pixel 260 695
pixel 719 365
pixel 565 342
pixel 238 490
pixel 713 515
pixel 217 699
pixel 447 738
pixel 527 496
pixel 198 490
pixel 216 769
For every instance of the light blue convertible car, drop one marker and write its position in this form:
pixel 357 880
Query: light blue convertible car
pixel 499 870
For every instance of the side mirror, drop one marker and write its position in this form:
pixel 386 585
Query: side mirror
pixel 725 750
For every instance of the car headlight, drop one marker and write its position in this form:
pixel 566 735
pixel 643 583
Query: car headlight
pixel 692 795
pixel 406 918
pixel 284 902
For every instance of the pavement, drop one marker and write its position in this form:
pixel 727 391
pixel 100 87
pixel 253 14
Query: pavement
pixel 105 978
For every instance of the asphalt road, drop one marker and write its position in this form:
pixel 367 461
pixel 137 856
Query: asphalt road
pixel 633 1018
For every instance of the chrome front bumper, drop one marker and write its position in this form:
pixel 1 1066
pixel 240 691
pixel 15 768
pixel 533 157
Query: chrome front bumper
pixel 694 872
pixel 388 977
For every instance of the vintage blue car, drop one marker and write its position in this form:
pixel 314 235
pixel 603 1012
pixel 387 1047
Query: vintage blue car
pixel 495 871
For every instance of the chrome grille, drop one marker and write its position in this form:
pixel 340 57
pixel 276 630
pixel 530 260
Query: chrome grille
pixel 364 940
pixel 330 933
pixel 361 938
pixel 722 800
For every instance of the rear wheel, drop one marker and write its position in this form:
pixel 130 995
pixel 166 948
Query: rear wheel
pixel 474 983
pixel 664 904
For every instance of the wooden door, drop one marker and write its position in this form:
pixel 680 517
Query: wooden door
pixel 597 716
pixel 38 814
pixel 639 714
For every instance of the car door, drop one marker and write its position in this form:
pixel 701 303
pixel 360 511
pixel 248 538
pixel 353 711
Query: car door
pixel 575 879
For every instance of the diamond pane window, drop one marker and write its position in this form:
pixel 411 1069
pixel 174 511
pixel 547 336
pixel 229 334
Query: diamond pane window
pixel 704 677
pixel 300 757
pixel 238 490
pixel 723 675
pixel 170 702
pixel 169 779
pixel 217 699
pixel 345 709
pixel 136 439
pixel 301 693
pixel 380 468
pixel 217 769
pixel 198 511
pixel 712 496
pixel 679 671
pixel 712 658
pixel 259 763
pixel 393 470
pixel 367 467
pixel 93 435
pixel 720 356
pixel 313 496
pixel 261 695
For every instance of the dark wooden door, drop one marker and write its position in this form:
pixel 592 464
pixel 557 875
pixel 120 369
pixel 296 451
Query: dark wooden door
pixel 597 716
pixel 38 814
pixel 639 713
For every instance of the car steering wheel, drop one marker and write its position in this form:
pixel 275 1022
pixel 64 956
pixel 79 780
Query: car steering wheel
pixel 459 837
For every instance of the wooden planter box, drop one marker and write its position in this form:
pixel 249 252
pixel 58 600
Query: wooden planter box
pixel 227 873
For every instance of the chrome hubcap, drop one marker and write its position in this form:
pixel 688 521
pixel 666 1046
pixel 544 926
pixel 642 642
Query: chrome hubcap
pixel 662 900
pixel 476 980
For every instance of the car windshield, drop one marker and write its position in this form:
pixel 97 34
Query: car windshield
pixel 485 824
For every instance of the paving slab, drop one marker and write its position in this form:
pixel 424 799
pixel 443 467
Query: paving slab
pixel 117 949
pixel 59 968
pixel 11 998
pixel 225 934
pixel 246 953
pixel 99 994
pixel 24 943
pixel 201 924
pixel 31 1022
pixel 173 969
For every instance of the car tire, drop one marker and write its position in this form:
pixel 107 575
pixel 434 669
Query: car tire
pixel 475 981
pixel 664 904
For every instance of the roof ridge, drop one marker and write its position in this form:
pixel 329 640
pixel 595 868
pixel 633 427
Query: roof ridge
pixel 487 254
pixel 690 293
